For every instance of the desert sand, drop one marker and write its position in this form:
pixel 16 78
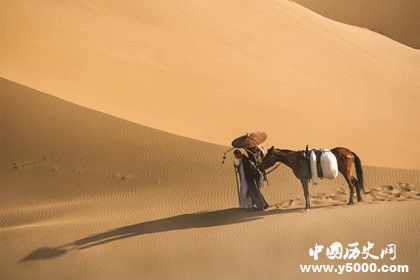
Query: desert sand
pixel 114 117
pixel 396 19
pixel 87 195
pixel 212 70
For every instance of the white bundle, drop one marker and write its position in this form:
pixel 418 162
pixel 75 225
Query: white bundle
pixel 329 164
pixel 314 169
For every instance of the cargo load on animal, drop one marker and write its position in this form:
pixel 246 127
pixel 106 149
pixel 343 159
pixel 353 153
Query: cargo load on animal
pixel 323 164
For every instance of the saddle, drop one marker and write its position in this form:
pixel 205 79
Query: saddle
pixel 318 154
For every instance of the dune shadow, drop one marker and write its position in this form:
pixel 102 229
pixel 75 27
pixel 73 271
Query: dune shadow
pixel 180 222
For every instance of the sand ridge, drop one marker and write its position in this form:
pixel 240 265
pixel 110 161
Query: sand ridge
pixel 181 65
pixel 395 19
pixel 85 204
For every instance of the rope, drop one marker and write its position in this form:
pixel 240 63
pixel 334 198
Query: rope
pixel 266 173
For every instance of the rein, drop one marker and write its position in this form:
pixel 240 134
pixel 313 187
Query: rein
pixel 274 168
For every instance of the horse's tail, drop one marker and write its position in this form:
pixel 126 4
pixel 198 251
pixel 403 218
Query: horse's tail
pixel 359 171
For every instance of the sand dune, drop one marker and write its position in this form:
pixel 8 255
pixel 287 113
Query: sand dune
pixel 115 115
pixel 397 19
pixel 90 196
pixel 211 70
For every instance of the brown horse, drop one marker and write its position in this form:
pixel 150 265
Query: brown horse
pixel 298 162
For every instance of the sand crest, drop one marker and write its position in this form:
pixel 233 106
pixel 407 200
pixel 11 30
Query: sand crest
pixel 197 68
pixel 103 198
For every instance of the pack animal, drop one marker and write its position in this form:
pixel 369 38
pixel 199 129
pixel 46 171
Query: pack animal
pixel 299 162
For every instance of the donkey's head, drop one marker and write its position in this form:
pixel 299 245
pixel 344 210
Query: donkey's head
pixel 269 159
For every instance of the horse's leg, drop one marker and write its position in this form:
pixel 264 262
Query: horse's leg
pixel 345 164
pixel 347 176
pixel 353 181
pixel 356 184
pixel 306 193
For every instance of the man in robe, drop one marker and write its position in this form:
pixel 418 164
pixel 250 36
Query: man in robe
pixel 250 182
pixel 255 154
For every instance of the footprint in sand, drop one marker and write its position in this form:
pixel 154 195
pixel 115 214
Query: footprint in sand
pixel 284 204
pixel 341 191
pixel 17 165
pixel 398 192
pixel 124 177
pixel 297 202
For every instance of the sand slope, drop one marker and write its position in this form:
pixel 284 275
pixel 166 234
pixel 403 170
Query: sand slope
pixel 211 70
pixel 396 19
pixel 86 195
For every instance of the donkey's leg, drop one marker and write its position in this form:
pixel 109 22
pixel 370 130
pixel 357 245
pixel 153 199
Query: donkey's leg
pixel 306 193
pixel 351 187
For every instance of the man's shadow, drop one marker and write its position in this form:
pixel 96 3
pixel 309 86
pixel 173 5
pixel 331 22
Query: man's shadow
pixel 185 221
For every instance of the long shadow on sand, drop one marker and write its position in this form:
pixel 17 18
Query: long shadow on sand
pixel 186 221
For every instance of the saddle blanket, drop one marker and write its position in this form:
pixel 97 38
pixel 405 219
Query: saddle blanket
pixel 326 161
